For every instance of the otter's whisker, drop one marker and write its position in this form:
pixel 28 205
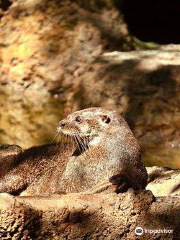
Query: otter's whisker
pixel 72 140
pixel 55 136
pixel 58 139
pixel 81 143
pixel 62 138
pixel 77 143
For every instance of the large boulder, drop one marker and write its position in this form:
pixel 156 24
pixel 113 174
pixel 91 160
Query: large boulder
pixel 163 181
pixel 44 45
pixel 54 60
pixel 104 215
pixel 144 86
pixel 83 216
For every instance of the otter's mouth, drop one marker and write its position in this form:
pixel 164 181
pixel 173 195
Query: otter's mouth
pixel 81 142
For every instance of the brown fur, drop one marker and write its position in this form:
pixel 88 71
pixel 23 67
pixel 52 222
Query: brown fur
pixel 7 157
pixel 105 150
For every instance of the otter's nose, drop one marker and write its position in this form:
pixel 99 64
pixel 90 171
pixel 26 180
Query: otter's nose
pixel 62 124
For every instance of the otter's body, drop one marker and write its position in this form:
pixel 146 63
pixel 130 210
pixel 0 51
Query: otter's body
pixel 7 157
pixel 102 149
pixel 37 170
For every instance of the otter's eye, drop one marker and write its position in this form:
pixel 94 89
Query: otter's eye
pixel 78 119
pixel 105 119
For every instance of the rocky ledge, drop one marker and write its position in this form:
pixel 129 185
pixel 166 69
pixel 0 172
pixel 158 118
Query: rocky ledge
pixel 97 216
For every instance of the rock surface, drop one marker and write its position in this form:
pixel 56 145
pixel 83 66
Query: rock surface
pixel 56 57
pixel 105 215
pixel 81 216
pixel 163 181
pixel 144 86
pixel 44 45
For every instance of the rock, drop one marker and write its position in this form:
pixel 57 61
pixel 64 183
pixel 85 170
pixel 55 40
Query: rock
pixel 163 181
pixel 144 87
pixel 105 215
pixel 56 57
pixel 82 216
pixel 44 46
pixel 17 221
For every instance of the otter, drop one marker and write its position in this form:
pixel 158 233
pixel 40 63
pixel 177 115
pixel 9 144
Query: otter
pixel 7 155
pixel 9 150
pixel 99 147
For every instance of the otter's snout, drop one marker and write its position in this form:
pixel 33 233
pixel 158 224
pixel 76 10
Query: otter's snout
pixel 62 124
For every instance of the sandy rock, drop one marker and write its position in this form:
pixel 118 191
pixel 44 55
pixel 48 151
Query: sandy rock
pixel 56 57
pixel 163 181
pixel 44 46
pixel 105 215
pixel 81 216
pixel 17 221
pixel 144 87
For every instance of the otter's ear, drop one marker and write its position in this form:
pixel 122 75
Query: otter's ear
pixel 105 118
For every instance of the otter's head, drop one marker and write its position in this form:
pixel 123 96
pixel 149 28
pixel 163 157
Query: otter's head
pixel 86 126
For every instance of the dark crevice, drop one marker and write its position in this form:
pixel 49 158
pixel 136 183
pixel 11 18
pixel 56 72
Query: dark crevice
pixel 5 4
pixel 153 20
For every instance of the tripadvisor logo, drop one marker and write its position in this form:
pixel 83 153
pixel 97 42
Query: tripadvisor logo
pixel 139 231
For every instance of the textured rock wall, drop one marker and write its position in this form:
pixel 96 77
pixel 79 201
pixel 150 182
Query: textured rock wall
pixel 44 45
pixel 80 216
pixel 164 181
pixel 56 57
pixel 105 215
pixel 144 86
